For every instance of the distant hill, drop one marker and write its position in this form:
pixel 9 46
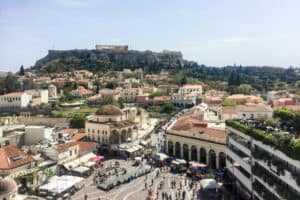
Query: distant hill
pixel 262 78
pixel 107 59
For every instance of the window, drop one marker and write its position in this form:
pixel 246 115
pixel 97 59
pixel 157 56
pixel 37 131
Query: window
pixel 71 153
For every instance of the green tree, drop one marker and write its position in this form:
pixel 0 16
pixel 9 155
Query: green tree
pixel 78 121
pixel 155 94
pixel 121 103
pixel 228 103
pixel 244 89
pixel 22 71
pixel 108 99
pixel 168 108
pixel 183 80
pixel 111 85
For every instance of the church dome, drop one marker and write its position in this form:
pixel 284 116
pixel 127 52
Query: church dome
pixel 109 110
pixel 7 185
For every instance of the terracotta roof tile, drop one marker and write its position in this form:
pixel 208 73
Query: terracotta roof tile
pixel 65 146
pixel 12 157
pixel 78 136
pixel 87 146
pixel 188 124
pixel 13 94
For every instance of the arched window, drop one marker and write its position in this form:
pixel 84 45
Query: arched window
pixel 194 155
pixel 185 149
pixel 222 160
pixel 170 148
pixel 177 150
pixel 202 155
pixel 212 159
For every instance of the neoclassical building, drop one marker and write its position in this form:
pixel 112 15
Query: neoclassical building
pixel 111 125
pixel 193 140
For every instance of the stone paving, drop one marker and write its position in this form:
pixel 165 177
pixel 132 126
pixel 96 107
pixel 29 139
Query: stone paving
pixel 135 190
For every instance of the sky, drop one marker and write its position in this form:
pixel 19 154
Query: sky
pixel 211 32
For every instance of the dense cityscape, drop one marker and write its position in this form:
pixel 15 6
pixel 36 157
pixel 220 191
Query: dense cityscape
pixel 133 134
pixel 149 100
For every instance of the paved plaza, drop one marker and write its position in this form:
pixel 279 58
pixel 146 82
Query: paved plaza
pixel 159 181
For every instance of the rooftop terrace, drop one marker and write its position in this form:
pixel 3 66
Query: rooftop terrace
pixel 280 139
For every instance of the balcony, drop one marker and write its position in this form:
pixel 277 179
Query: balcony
pixel 242 161
pixel 239 175
pixel 239 146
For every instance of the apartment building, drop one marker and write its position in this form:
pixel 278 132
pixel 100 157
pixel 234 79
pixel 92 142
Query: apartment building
pixel 259 166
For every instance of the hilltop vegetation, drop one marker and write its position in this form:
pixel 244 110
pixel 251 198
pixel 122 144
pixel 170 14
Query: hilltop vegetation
pixel 260 78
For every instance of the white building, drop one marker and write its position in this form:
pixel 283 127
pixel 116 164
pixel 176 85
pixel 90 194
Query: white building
pixel 191 89
pixel 34 134
pixel 38 96
pixel 15 100
pixel 253 111
pixel 52 91
pixel 183 100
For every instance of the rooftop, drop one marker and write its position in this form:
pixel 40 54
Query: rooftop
pixel 87 146
pixel 78 136
pixel 12 157
pixel 190 125
pixel 13 94
pixel 107 91
pixel 109 110
pixel 65 146
pixel 254 108
pixel 261 130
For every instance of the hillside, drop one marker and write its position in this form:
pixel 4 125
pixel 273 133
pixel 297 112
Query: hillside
pixel 95 60
pixel 261 78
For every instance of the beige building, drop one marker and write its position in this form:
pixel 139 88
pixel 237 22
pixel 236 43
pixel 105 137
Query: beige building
pixel 190 89
pixel 63 153
pixel 130 94
pixel 242 99
pixel 193 140
pixel 251 111
pixel 52 91
pixel 38 96
pixel 168 89
pixel 18 165
pixel 110 125
pixel 80 74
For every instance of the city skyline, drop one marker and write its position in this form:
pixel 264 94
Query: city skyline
pixel 214 33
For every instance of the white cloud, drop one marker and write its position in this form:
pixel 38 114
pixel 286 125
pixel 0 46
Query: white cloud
pixel 238 39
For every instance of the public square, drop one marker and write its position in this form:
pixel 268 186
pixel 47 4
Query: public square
pixel 160 180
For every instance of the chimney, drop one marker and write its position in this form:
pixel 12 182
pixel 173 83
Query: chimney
pixel 200 124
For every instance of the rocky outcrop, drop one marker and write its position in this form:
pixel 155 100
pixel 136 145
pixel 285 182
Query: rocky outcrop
pixel 62 60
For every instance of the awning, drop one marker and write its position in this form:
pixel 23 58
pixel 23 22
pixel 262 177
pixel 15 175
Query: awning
pixel 181 161
pixel 209 184
pixel 97 158
pixel 79 161
pixel 81 169
pixel 196 164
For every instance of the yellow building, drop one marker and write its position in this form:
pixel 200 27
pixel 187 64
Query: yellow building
pixel 193 140
pixel 111 125
pixel 242 99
